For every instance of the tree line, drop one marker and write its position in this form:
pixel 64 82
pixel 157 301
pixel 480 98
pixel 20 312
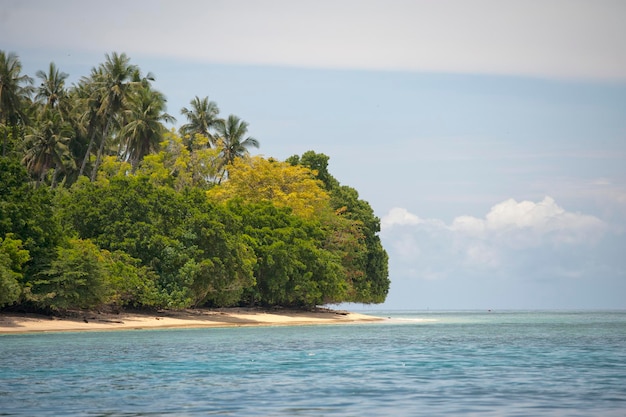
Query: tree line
pixel 102 205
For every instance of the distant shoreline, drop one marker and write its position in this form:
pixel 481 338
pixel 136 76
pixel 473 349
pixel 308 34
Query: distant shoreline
pixel 16 323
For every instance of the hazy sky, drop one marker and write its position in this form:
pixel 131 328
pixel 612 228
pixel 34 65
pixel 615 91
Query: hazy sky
pixel 488 136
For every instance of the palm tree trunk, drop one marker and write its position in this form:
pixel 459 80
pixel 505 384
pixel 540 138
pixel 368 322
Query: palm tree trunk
pixel 100 150
pixel 53 183
pixel 40 181
pixel 87 154
pixel 221 176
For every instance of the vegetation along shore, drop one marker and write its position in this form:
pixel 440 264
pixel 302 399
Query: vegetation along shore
pixel 101 206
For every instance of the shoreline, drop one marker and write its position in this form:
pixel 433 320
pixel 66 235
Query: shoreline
pixel 21 323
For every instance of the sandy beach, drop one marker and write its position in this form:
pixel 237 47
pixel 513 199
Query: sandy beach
pixel 192 318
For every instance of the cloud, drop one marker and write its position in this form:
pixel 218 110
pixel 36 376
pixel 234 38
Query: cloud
pixel 511 238
pixel 605 195
pixel 399 217
pixel 531 223
pixel 557 38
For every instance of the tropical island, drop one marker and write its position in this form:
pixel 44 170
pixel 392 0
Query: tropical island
pixel 102 208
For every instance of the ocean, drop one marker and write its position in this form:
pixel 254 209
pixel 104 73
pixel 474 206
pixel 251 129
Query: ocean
pixel 566 363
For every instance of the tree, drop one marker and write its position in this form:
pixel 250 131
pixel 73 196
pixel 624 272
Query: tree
pixel 14 92
pixel 177 167
pixel 143 130
pixel 230 136
pixel 318 163
pixel 349 227
pixel 108 88
pixel 116 80
pixel 47 140
pixel 131 283
pixel 52 87
pixel 47 146
pixel 284 185
pixel 73 111
pixel 292 268
pixel 223 269
pixel 368 272
pixel 12 260
pixel 192 246
pixel 201 120
pixel 373 286
pixel 90 97
pixel 76 278
pixel 165 220
pixel 28 214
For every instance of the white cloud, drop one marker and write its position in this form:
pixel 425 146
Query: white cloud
pixel 511 235
pixel 556 38
pixel 528 223
pixel 469 225
pixel 398 216
pixel 513 215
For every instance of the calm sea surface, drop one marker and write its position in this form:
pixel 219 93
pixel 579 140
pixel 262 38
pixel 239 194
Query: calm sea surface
pixel 413 364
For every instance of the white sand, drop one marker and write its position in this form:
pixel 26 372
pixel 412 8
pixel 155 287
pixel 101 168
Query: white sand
pixel 234 317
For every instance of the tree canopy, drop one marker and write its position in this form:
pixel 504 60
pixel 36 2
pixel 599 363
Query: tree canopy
pixel 102 205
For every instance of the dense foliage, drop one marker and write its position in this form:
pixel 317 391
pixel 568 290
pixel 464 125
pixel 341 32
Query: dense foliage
pixel 101 205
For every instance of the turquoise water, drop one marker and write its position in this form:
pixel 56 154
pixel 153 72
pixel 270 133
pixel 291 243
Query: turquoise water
pixel 413 364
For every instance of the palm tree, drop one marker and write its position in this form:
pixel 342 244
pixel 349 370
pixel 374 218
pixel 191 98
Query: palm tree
pixel 75 109
pixel 108 88
pixel 201 119
pixel 88 101
pixel 231 134
pixel 14 92
pixel 52 87
pixel 47 146
pixel 118 76
pixel 144 130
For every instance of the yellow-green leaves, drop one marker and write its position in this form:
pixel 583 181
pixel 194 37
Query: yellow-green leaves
pixel 257 179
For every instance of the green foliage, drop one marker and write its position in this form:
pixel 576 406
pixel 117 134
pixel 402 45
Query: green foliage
pixel 231 141
pixel 131 283
pixel 374 285
pixel 179 235
pixel 10 288
pixel 369 274
pixel 12 138
pixel 48 146
pixel 12 259
pixel 165 220
pixel 293 268
pixel 143 130
pixel 75 279
pixel 201 121
pixel 14 91
pixel 179 166
pixel 28 214
pixel 317 162
pixel 226 262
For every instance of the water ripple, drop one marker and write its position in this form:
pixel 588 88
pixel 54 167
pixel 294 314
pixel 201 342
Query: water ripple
pixel 513 364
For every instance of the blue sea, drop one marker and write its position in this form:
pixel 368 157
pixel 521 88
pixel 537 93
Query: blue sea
pixel 412 364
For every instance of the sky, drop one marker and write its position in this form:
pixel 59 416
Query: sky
pixel 488 136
